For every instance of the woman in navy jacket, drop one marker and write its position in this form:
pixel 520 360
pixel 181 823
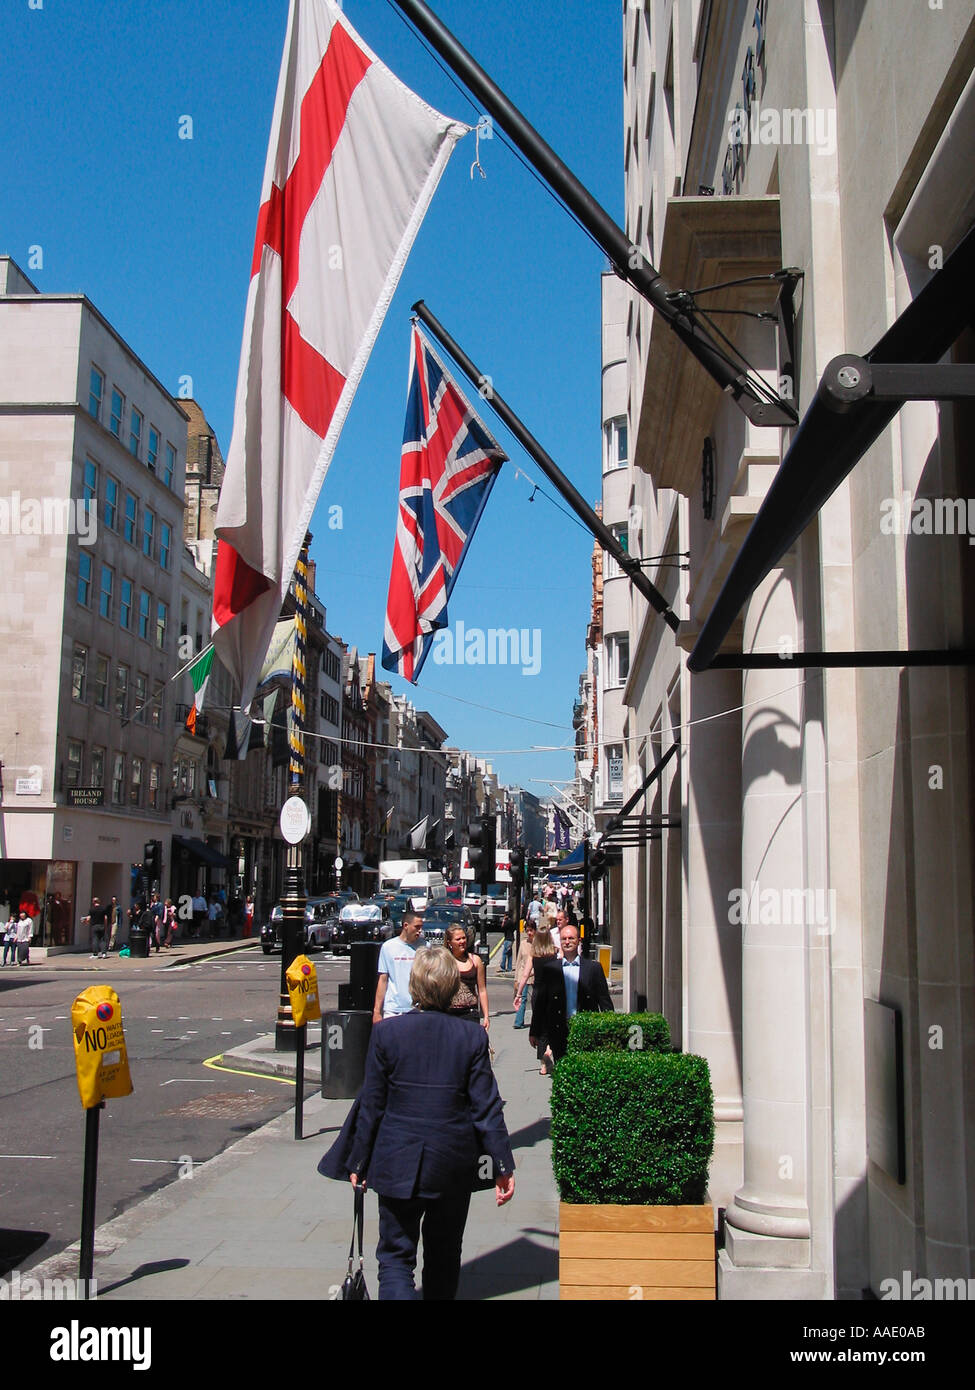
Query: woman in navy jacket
pixel 428 1113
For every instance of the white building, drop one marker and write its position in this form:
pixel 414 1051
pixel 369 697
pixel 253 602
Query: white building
pixel 92 456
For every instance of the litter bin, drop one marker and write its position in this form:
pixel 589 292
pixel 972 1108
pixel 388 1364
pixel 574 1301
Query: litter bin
pixel 345 1042
pixel 139 941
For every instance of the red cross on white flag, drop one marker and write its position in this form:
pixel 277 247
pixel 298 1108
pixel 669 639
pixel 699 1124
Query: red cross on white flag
pixel 354 159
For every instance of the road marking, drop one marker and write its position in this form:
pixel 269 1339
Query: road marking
pixel 156 1030
pixel 151 1018
pixel 190 1081
pixel 177 1161
pixel 183 1018
pixel 28 1155
pixel 59 1018
pixel 212 1062
pixel 226 1033
pixel 216 1020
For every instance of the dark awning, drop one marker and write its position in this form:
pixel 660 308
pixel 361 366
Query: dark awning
pixel 833 437
pixel 202 852
pixel 571 864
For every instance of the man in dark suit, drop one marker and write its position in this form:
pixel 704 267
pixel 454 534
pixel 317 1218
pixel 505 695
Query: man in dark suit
pixel 427 1125
pixel 563 988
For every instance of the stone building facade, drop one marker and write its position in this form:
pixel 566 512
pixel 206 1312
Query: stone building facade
pixel 805 921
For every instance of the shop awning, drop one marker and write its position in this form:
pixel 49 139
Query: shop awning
pixel 202 852
pixel 851 409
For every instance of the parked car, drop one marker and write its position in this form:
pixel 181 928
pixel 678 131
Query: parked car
pixel 455 894
pixel 360 922
pixel 273 930
pixel 439 916
pixel 473 898
pixel 322 927
pixel 495 904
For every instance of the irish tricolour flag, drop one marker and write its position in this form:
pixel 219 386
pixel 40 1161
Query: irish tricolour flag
pixel 199 675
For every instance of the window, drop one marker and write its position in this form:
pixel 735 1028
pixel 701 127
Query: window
pixel 79 673
pixel 153 453
pixel 161 616
pixel 122 690
pixel 165 543
pixel 118 779
pixel 101 682
pixel 330 708
pixel 614 772
pixel 148 527
pixel 611 569
pixel 615 443
pixel 155 776
pixel 90 490
pixel 131 516
pixel 105 597
pixel 330 665
pixel 125 606
pixel 135 433
pixel 98 767
pixel 135 785
pixel 617 659
pixel 110 511
pixel 96 390
pixel 140 692
pixel 144 610
pixel 170 467
pixel 84 578
pixel 156 708
pixel 76 757
pixel 118 406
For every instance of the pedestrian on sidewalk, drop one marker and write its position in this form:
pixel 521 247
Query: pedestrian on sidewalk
pixel 543 953
pixel 10 941
pixel 428 1113
pixel 564 988
pixel 25 930
pixel 395 964
pixel 508 928
pixel 114 922
pixel 471 999
pixel 524 975
pixel 97 919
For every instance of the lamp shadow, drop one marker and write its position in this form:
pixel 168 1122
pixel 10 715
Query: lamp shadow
pixel 142 1272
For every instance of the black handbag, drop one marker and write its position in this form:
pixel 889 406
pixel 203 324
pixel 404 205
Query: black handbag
pixel 354 1286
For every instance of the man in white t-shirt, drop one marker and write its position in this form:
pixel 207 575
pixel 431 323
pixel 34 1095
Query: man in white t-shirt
pixel 395 964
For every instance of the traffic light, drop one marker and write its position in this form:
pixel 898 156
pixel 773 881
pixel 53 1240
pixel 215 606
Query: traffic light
pixel 152 860
pixel 597 863
pixel 489 841
pixel 475 850
pixel 516 861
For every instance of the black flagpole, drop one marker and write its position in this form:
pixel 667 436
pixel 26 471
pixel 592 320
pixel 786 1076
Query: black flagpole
pixel 630 567
pixel 628 260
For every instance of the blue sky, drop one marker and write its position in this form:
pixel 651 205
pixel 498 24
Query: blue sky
pixel 159 232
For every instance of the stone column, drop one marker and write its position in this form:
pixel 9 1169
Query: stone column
pixel 767 1247
pixel 712 850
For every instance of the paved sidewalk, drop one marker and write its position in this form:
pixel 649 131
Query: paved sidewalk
pixel 257 1221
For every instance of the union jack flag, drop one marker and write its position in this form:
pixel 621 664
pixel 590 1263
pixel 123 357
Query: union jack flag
pixel 449 465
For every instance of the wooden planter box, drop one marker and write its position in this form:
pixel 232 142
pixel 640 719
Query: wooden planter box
pixel 617 1252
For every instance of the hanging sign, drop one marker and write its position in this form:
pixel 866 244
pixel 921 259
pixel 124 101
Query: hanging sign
pixel 303 988
pixel 100 1055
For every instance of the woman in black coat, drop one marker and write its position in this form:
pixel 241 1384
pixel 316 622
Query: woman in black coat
pixel 428 1110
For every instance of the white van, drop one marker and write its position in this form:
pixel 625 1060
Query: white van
pixel 424 888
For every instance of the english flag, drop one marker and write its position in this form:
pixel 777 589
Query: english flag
pixel 353 161
pixel 449 465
